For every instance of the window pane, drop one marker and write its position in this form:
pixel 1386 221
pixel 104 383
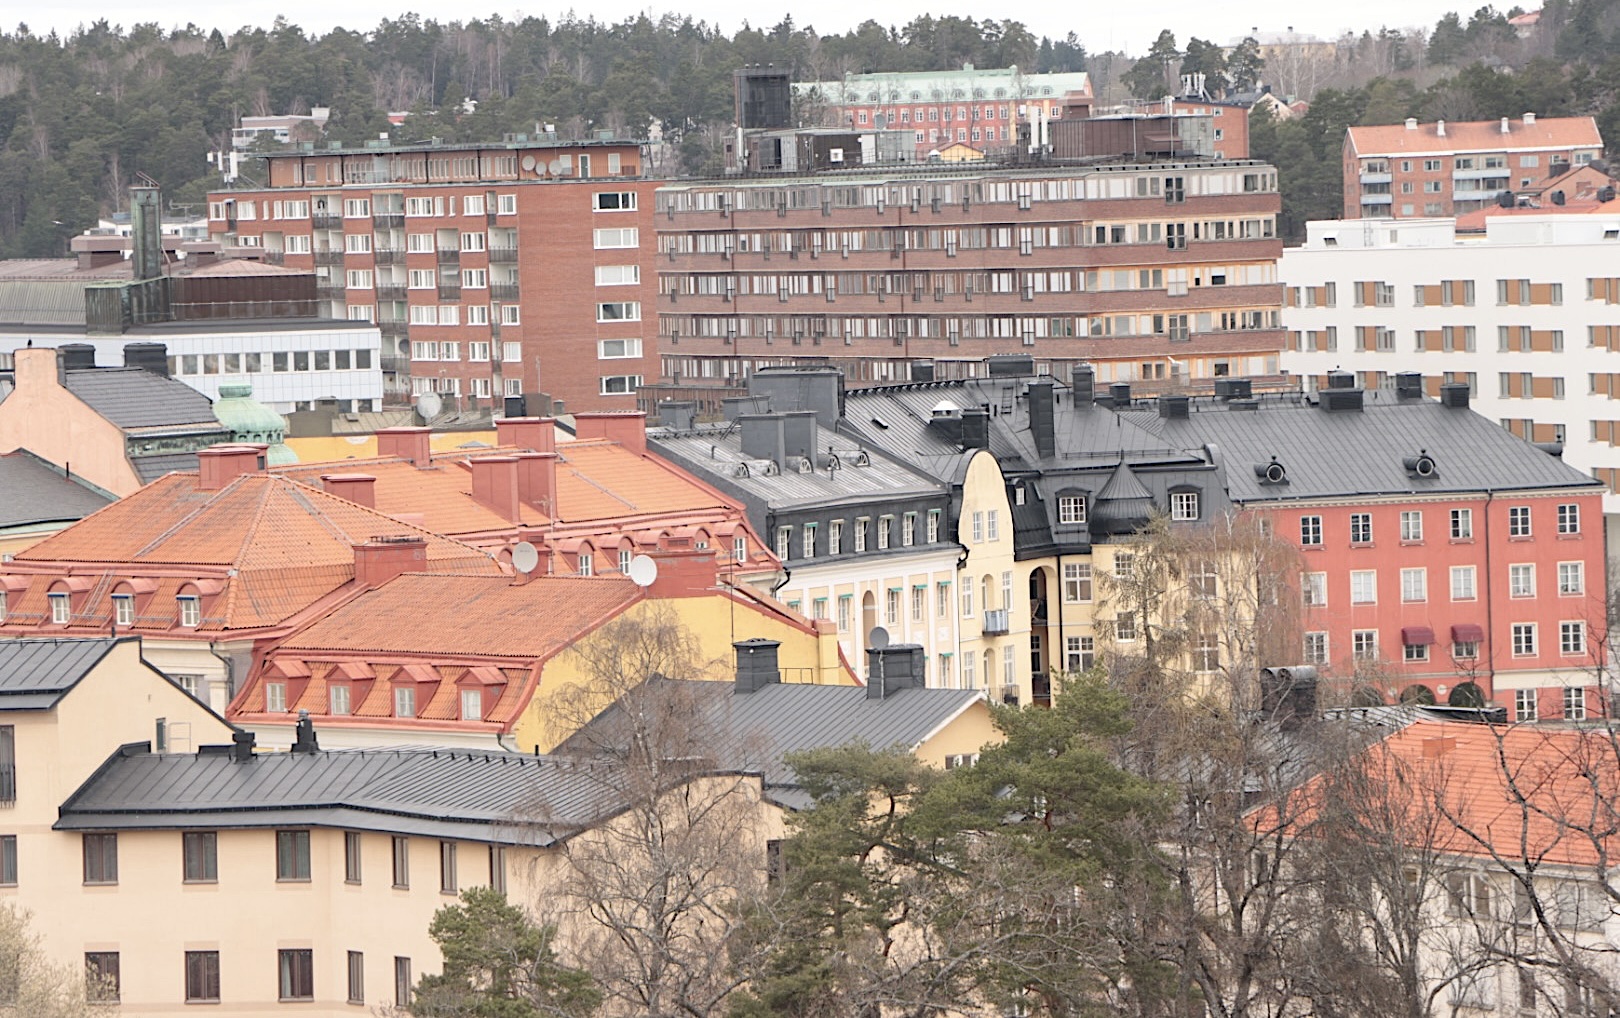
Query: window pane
pixel 202 975
pixel 297 974
pixel 201 856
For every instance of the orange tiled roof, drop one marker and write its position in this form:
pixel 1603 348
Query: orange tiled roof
pixel 1476 136
pixel 481 616
pixel 276 546
pixel 601 480
pixel 442 493
pixel 1474 222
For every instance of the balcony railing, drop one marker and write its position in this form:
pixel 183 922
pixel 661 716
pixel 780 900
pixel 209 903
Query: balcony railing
pixel 394 363
pixel 329 292
pixel 326 221
pixel 389 256
pixel 995 622
pixel 503 291
pixel 450 255
pixel 391 291
pixel 503 255
pixel 449 291
pixel 329 256
pixel 388 220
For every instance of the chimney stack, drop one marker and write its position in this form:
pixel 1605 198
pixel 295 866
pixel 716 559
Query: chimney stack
pixel 756 664
pixel 537 480
pixel 1454 395
pixel 1339 379
pixel 626 427
pixel 495 484
pixel 242 746
pixel 1120 393
pixel 975 428
pixel 1529 119
pixel 360 489
pixel 153 357
pixel 893 668
pixel 1411 123
pixel 77 356
pixel 537 434
pixel 1173 408
pixel 1288 695
pixel 1440 128
pixel 414 444
pixel 1042 418
pixel 383 558
pixel 1083 385
pixel 1505 123
pixel 219 465
pixel 304 741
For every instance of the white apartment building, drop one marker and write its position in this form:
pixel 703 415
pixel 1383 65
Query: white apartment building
pixel 1528 315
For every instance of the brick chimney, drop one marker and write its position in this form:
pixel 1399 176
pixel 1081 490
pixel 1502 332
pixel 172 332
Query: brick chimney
pixel 407 443
pixel 358 488
pixel 537 480
pixel 36 366
pixel 626 427
pixel 383 558
pixel 495 484
pixel 538 434
pixel 219 465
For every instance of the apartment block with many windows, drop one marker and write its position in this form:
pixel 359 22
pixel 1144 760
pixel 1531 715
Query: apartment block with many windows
pixel 1525 316
pixel 492 270
pixel 1152 273
pixel 1415 170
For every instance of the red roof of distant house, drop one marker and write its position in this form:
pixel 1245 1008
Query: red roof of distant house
pixel 1476 136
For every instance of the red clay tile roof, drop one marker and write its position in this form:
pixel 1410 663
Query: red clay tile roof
pixel 442 493
pixel 1476 136
pixel 276 547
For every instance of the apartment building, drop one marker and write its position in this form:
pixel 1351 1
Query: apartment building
pixel 1157 273
pixel 981 108
pixel 1525 316
pixel 492 270
pixel 1230 119
pixel 1414 170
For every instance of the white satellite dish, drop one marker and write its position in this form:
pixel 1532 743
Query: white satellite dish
pixel 525 557
pixel 879 638
pixel 528 163
pixel 429 405
pixel 556 167
pixel 643 571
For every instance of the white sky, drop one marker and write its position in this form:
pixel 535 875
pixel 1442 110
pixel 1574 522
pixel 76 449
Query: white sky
pixel 1130 27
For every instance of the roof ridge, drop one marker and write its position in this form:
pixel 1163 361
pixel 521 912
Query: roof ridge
pixel 184 520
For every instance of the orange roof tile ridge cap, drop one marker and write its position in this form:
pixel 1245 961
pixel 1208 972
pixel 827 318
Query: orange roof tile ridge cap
pixel 185 520
pixel 392 521
pixel 610 493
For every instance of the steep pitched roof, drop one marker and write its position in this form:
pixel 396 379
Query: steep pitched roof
pixel 134 398
pixel 38 493
pixel 35 674
pixel 288 546
pixel 754 731
pixel 1476 136
pixel 497 797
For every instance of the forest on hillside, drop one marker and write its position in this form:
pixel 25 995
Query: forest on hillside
pixel 85 115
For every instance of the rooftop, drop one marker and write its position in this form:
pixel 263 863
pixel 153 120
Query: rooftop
pixel 35 674
pixel 1530 132
pixel 37 492
pixel 969 83
pixel 136 399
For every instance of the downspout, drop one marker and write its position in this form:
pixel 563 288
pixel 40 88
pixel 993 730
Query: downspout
pixel 1490 631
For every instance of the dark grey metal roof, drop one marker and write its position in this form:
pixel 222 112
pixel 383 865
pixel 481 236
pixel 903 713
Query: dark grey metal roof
pixel 36 492
pixel 136 398
pixel 150 468
pixel 502 797
pixel 35 674
pixel 754 731
pixel 1362 453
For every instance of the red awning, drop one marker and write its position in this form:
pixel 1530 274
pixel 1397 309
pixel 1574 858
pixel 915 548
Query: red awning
pixel 1417 636
pixel 1467 632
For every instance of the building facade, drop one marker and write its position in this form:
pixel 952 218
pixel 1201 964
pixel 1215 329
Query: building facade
pixel 1414 170
pixel 491 270
pixel 1525 316
pixel 1152 273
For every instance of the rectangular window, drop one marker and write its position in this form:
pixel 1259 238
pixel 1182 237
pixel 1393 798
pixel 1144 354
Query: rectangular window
pixel 884 524
pixel 1313 589
pixel 472 700
pixel 908 530
pixel 123 609
pixel 835 537
pixel 784 542
pixel 619 385
pixel 1519 521
pixel 1524 639
pixel 1071 510
pixel 617 275
pixel 992 525
pixel 351 857
pixel 810 540
pixel 357 977
pixel 1364 586
pixel 860 533
pixel 1184 505
pixel 447 867
pixel 1364 644
pixel 405 701
pixel 1572 638
pixel 101 977
pixel 292 855
pixel 497 868
pixel 1524 705
pixel 1310 531
pixel 339 697
pixel 200 853
pixel 605 240
pixel 1571 578
pixel 1569 518
pixel 846 612
pixel 61 609
pixel 1522 580
pixel 978 527
pixel 1076 581
pixel 1575 710
pixel 190 612
pixel 275 697
pixel 933 528
pixel 101 858
pixel 1414 585
pixel 919 602
pixel 1462 583
pixel 1411 526
pixel 1361 528
pixel 402 861
pixel 1316 648
pixel 8 763
pixel 202 977
pixel 402 981
pixel 8 860
pixel 297 973
pixel 942 600
pixel 1462 524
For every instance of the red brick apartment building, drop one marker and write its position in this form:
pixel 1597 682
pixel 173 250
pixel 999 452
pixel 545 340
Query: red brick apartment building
pixel 1401 171
pixel 492 270
pixel 1152 272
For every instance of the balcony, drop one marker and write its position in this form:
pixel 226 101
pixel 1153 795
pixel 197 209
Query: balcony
pixel 995 622
pixel 327 291
pixel 390 291
pixel 329 256
pixel 389 256
pixel 273 257
pixel 449 291
pixel 1377 178
pixel 450 256
pixel 503 291
pixel 326 221
pixel 388 220
pixel 1377 199
pixel 503 255
pixel 393 330
pixel 395 364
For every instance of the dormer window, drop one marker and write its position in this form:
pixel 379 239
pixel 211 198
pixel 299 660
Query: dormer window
pixel 404 701
pixel 124 609
pixel 275 697
pixel 339 700
pixel 586 563
pixel 1184 505
pixel 472 705
pixel 190 610
pixel 2 606
pixel 1071 510
pixel 61 607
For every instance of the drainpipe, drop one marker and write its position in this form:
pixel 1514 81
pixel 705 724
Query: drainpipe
pixel 1490 630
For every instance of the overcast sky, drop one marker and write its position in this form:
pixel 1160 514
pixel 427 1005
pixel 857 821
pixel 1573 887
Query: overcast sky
pixel 1101 26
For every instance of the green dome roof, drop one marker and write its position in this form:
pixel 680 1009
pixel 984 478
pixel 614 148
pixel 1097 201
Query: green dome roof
pixel 252 421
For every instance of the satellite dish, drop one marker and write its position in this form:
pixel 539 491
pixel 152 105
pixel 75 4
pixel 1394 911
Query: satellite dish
pixel 528 163
pixel 525 557
pixel 643 571
pixel 878 638
pixel 429 405
pixel 556 167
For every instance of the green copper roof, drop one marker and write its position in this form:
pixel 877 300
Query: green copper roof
pixel 252 421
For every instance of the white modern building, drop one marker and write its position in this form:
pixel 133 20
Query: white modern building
pixel 1527 314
